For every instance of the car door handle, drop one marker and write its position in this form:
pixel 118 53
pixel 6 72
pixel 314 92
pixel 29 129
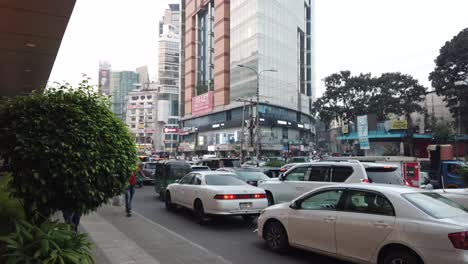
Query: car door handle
pixel 329 219
pixel 381 224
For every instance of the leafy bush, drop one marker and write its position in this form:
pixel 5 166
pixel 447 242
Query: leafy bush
pixel 10 208
pixel 66 150
pixel 48 243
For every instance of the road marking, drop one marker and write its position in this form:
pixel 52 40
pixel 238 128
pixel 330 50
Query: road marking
pixel 182 238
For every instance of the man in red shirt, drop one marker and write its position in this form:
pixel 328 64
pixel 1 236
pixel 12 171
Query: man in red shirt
pixel 129 192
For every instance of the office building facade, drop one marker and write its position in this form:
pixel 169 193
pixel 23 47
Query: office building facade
pixel 121 83
pixel 271 37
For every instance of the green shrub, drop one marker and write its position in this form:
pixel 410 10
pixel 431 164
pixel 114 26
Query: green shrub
pixel 10 208
pixel 48 243
pixel 66 150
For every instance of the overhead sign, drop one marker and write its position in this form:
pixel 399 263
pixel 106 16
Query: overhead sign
pixel 202 104
pixel 398 125
pixel 363 132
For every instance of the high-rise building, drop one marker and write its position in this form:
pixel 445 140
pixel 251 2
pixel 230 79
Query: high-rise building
pixel 171 17
pixel 167 126
pixel 143 76
pixel 121 83
pixel 229 46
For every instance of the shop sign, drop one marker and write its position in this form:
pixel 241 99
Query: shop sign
pixel 398 125
pixel 202 104
pixel 170 130
pixel 345 129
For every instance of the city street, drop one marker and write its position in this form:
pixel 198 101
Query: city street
pixel 231 237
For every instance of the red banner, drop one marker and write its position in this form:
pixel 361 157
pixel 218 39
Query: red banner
pixel 202 104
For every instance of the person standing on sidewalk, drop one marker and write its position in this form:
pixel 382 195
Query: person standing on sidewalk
pixel 129 192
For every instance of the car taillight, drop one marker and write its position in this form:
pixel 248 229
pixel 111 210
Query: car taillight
pixel 365 180
pixel 239 196
pixel 459 240
pixel 282 170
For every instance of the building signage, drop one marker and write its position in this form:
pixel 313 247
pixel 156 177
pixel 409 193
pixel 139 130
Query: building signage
pixel 171 130
pixel 104 81
pixel 202 104
pixel 345 129
pixel 398 125
pixel 363 132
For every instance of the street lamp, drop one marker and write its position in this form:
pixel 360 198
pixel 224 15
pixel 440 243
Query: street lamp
pixel 257 118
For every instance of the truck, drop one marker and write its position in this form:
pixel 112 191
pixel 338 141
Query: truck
pixel 443 170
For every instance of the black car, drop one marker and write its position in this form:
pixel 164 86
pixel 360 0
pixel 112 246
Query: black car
pixel 249 175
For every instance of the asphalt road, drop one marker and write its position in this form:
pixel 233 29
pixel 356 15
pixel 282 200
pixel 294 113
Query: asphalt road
pixel 229 237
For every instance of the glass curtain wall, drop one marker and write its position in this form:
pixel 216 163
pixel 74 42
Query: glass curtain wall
pixel 205 49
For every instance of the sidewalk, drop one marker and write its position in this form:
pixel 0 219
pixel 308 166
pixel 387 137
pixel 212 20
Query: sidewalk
pixel 138 240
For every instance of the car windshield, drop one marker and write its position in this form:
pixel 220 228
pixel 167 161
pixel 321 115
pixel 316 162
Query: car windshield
pixel 436 205
pixel 200 168
pixel 220 179
pixel 387 175
pixel 231 163
pixel 152 166
pixel 251 175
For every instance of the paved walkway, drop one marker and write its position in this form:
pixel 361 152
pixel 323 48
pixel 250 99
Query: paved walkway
pixel 138 240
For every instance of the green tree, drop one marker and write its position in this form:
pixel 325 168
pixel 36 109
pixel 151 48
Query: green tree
pixel 442 132
pixel 66 150
pixel 450 76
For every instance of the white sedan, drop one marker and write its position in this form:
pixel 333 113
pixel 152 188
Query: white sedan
pixel 458 195
pixel 370 223
pixel 216 193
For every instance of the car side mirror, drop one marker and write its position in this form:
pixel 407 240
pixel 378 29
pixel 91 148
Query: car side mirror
pixel 282 177
pixel 295 205
pixel 177 181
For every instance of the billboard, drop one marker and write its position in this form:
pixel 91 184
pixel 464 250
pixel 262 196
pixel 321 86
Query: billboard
pixel 104 81
pixel 363 132
pixel 202 104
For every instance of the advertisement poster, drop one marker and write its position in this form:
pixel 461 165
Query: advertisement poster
pixel 363 132
pixel 104 81
pixel 202 104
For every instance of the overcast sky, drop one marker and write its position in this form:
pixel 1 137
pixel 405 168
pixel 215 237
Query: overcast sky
pixel 358 35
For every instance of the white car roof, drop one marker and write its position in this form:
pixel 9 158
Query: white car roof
pixel 204 173
pixel 377 187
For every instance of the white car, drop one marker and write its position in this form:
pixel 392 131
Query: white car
pixel 458 195
pixel 370 223
pixel 216 193
pixel 306 177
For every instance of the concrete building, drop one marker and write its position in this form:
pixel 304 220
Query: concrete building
pixel 141 118
pixel 260 35
pixel 171 17
pixel 121 83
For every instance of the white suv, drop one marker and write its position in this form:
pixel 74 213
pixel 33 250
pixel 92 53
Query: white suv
pixel 305 177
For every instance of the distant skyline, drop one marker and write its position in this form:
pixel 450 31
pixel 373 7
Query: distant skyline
pixel 359 35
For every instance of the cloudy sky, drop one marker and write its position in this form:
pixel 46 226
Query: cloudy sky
pixel 358 35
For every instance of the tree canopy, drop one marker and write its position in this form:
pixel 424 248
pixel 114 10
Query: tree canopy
pixel 66 149
pixel 450 76
pixel 348 96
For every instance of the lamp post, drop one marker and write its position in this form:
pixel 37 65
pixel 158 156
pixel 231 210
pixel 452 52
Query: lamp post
pixel 257 117
pixel 242 130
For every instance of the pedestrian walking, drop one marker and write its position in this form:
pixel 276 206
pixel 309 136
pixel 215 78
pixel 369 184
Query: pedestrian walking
pixel 129 193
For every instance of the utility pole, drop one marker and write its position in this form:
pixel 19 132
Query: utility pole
pixel 257 108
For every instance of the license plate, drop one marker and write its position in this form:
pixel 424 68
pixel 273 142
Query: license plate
pixel 245 205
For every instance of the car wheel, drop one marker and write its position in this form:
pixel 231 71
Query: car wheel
pixel 248 218
pixel 270 199
pixel 199 212
pixel 169 205
pixel 401 256
pixel 275 237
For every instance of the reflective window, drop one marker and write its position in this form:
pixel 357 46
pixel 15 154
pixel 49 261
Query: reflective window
pixel 368 203
pixel 327 200
pixel 297 174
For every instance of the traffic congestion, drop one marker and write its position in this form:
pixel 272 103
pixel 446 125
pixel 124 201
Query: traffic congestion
pixel 358 209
